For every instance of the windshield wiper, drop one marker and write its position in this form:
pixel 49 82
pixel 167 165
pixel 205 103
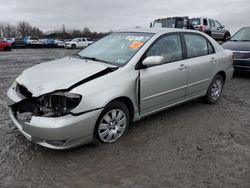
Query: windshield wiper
pixel 95 59
pixel 78 55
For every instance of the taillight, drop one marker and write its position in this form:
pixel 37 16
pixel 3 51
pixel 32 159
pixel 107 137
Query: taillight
pixel 201 28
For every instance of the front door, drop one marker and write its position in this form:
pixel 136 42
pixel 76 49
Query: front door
pixel 165 84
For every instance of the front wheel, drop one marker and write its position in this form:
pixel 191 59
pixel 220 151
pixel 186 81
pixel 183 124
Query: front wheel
pixel 215 90
pixel 112 123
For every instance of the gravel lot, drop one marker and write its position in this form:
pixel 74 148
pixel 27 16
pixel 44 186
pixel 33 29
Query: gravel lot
pixel 191 145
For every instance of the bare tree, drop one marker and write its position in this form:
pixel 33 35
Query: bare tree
pixel 24 28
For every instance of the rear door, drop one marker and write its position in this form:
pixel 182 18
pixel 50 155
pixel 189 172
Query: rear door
pixel 164 84
pixel 201 60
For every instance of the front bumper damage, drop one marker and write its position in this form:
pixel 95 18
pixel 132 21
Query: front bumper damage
pixel 53 132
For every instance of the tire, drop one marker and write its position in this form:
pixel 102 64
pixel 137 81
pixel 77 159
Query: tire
pixel 73 46
pixel 226 36
pixel 214 90
pixel 107 128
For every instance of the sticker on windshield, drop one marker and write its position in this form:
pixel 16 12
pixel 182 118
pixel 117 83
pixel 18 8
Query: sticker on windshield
pixel 136 45
pixel 137 38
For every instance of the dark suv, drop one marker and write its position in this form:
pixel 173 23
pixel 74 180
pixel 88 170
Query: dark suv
pixel 172 22
pixel 211 27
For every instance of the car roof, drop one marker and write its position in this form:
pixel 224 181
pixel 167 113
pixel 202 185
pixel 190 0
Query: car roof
pixel 157 30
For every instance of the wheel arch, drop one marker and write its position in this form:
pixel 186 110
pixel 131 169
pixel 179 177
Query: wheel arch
pixel 222 74
pixel 128 102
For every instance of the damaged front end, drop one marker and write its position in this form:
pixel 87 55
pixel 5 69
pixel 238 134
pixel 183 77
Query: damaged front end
pixel 47 119
pixel 54 104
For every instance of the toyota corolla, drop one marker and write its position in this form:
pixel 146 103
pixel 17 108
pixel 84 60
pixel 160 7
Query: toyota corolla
pixel 95 94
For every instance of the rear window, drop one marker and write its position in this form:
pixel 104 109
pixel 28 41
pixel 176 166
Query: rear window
pixel 168 23
pixel 197 46
pixel 195 21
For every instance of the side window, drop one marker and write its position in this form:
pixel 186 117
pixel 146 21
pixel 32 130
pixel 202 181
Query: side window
pixel 79 40
pixel 210 48
pixel 169 47
pixel 217 24
pixel 196 45
pixel 211 23
pixel 205 22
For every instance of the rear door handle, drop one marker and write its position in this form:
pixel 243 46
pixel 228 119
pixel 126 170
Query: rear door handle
pixel 182 67
pixel 213 60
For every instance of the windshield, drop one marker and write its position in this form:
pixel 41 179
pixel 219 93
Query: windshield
pixel 117 48
pixel 169 23
pixel 242 35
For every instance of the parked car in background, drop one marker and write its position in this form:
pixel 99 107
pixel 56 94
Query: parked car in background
pixel 49 43
pixel 33 42
pixel 239 43
pixel 10 40
pixel 172 22
pixel 78 43
pixel 67 40
pixel 211 27
pixel 19 43
pixel 4 46
pixel 121 78
pixel 59 43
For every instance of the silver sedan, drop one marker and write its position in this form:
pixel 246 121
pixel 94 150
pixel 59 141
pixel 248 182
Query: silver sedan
pixel 95 94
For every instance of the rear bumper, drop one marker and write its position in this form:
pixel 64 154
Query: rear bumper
pixel 229 74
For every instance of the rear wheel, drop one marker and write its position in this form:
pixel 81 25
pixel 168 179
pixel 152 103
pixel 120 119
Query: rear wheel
pixel 214 91
pixel 112 123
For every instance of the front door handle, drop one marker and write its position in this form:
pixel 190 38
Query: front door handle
pixel 182 67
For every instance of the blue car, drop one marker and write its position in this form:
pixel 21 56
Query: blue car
pixel 49 43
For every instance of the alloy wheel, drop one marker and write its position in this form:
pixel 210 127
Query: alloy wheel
pixel 112 125
pixel 216 89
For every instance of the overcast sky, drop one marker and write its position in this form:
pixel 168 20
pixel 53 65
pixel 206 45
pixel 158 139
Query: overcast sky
pixel 106 15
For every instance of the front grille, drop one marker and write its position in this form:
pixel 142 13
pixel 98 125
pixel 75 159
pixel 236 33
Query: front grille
pixel 23 91
pixel 241 55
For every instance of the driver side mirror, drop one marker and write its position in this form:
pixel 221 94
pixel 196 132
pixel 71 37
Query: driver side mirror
pixel 152 61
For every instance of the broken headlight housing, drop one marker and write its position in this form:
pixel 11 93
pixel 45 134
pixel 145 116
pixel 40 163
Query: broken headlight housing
pixel 49 105
pixel 58 104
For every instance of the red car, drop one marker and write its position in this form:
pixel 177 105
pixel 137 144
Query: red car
pixel 5 46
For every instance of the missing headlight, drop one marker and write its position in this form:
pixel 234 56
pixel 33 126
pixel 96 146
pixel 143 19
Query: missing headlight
pixel 49 105
pixel 58 104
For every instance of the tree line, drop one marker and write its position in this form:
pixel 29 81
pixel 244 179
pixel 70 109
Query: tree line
pixel 23 29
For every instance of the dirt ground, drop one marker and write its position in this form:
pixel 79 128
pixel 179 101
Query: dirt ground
pixel 191 145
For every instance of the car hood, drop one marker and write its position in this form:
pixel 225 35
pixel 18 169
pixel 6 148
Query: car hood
pixel 237 46
pixel 58 74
